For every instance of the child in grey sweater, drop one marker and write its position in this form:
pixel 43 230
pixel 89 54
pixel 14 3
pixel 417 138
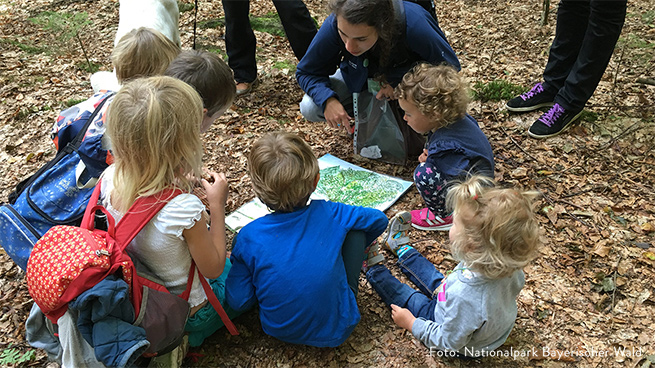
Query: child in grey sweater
pixel 472 309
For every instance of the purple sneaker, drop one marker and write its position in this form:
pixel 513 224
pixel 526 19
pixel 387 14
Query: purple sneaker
pixel 553 122
pixel 532 100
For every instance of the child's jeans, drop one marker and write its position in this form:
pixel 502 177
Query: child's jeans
pixel 421 272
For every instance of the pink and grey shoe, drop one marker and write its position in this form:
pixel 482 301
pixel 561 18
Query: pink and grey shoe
pixel 426 220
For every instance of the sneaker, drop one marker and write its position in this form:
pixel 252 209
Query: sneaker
pixel 553 122
pixel 532 100
pixel 396 234
pixel 426 220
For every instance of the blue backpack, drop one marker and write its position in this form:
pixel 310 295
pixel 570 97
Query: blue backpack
pixel 58 192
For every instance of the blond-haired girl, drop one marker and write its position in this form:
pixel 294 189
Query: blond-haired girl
pixel 154 126
pixel 434 99
pixel 472 309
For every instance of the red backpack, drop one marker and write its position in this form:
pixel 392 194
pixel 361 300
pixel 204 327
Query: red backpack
pixel 70 260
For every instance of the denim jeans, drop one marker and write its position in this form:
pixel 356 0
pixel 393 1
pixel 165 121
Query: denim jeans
pixel 421 272
pixel 585 36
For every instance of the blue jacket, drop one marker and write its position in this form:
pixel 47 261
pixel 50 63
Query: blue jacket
pixel 459 148
pixel 105 321
pixel 290 264
pixel 424 41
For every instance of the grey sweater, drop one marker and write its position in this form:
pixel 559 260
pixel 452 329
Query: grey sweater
pixel 473 313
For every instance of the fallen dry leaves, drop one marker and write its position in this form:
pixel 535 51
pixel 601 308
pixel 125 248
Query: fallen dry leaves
pixel 588 296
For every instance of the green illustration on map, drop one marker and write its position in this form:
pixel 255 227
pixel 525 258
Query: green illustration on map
pixel 357 187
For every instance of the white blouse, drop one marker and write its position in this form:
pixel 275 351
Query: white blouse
pixel 160 245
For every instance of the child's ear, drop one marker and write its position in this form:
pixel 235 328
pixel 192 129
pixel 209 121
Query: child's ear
pixel 204 111
pixel 318 177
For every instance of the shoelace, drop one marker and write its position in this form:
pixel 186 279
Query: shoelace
pixel 538 88
pixel 553 114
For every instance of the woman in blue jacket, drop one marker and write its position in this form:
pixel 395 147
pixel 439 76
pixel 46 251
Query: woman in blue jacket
pixel 362 39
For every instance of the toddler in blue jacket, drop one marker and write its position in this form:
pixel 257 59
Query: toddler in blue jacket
pixel 434 99
pixel 301 263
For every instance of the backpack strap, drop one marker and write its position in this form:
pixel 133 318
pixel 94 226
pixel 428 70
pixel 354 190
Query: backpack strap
pixel 140 213
pixel 213 300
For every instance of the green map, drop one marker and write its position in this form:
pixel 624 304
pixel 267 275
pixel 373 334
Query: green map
pixel 357 187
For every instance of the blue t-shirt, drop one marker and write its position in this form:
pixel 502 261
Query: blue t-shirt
pixel 290 264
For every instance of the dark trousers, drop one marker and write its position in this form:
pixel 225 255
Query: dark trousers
pixel 240 40
pixel 585 36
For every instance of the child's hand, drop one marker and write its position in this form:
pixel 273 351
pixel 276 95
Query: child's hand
pixel 402 317
pixel 385 93
pixel 424 156
pixel 216 190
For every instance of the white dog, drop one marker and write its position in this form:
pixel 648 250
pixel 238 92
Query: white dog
pixel 162 15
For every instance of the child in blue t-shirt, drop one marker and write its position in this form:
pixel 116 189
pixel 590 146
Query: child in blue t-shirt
pixel 434 99
pixel 301 263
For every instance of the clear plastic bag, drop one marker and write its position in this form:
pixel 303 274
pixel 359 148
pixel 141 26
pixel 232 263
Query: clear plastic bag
pixel 380 133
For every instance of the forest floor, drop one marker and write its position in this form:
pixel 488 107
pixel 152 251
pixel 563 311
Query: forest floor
pixel 589 297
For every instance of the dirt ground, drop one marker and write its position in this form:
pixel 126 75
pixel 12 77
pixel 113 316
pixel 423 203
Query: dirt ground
pixel 589 297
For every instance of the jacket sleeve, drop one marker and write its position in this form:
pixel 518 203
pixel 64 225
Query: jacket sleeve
pixel 320 62
pixel 372 221
pixel 425 38
pixel 459 324
pixel 239 287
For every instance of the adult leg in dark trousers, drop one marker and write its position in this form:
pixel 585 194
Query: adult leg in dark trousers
pixel 240 40
pixel 585 37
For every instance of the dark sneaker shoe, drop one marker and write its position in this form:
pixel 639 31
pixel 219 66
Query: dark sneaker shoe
pixel 553 122
pixel 532 100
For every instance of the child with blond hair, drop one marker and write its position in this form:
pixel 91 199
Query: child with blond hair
pixel 301 263
pixel 473 308
pixel 434 99
pixel 141 52
pixel 154 125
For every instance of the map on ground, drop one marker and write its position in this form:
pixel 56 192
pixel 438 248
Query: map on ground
pixel 340 181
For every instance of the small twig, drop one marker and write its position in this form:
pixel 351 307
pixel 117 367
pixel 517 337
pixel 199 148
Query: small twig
pixel 616 74
pixel 88 62
pixel 614 139
pixel 552 203
pixel 616 271
pixel 650 81
pixel 516 143
pixel 584 191
pixel 545 12
pixel 570 203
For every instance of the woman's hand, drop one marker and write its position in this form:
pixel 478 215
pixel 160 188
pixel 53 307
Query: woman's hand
pixel 385 93
pixel 424 156
pixel 336 116
pixel 402 317
pixel 216 190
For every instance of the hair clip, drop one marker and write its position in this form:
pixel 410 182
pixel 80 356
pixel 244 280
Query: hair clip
pixel 474 197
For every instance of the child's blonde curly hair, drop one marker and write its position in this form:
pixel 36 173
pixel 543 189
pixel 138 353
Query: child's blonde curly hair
pixel 498 232
pixel 283 170
pixel 438 91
